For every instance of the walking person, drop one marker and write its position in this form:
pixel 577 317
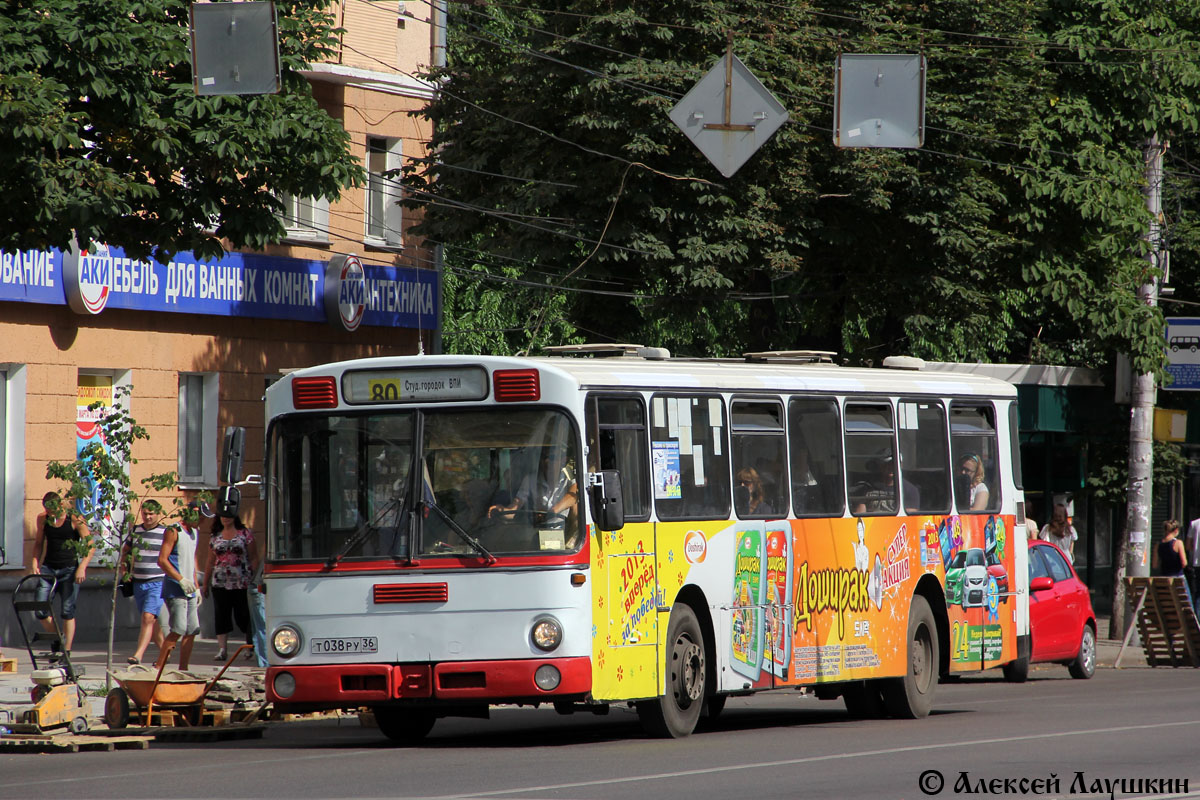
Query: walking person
pixel 142 561
pixel 55 556
pixel 1059 531
pixel 1169 556
pixel 177 558
pixel 232 562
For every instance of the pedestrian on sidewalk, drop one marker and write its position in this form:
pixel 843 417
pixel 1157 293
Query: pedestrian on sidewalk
pixel 232 561
pixel 177 558
pixel 142 554
pixel 55 555
pixel 1169 556
pixel 1193 551
pixel 1059 531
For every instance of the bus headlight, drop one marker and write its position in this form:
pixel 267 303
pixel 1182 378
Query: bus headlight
pixel 286 641
pixel 546 634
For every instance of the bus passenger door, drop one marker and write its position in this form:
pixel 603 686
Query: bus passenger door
pixel 626 663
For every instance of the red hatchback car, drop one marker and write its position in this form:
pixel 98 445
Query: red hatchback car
pixel 1062 625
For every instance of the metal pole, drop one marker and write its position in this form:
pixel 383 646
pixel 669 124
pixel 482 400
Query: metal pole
pixel 439 60
pixel 1140 492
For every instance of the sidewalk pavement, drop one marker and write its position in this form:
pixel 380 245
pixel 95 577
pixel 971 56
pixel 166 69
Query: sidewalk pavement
pixel 89 659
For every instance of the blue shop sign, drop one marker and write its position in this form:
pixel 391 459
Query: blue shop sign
pixel 236 285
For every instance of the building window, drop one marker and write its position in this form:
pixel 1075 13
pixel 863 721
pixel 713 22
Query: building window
pixel 383 193
pixel 305 218
pixel 198 429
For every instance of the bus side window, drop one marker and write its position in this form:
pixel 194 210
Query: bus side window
pixel 924 457
pixel 759 471
pixel 815 451
pixel 974 448
pixel 689 457
pixel 619 440
pixel 871 458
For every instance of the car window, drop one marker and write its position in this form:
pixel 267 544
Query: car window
pixel 1057 564
pixel 959 560
pixel 1037 566
pixel 975 558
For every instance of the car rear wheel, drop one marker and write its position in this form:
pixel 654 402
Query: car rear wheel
pixel 1084 665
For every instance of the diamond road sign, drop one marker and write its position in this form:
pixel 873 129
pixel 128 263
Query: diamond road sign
pixel 729 114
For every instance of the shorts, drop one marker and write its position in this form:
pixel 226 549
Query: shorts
pixel 148 595
pixel 184 613
pixel 66 589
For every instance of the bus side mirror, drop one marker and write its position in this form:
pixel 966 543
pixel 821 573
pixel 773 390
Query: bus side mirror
pixel 231 455
pixel 607 506
pixel 229 499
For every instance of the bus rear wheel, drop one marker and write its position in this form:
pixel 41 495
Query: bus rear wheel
pixel 911 697
pixel 404 725
pixel 675 714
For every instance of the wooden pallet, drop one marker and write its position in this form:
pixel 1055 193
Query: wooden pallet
pixel 31 743
pixel 1166 622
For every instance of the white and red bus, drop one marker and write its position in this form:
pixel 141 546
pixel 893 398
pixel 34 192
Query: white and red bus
pixel 613 525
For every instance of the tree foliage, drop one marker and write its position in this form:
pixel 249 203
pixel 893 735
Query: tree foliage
pixel 1016 233
pixel 105 140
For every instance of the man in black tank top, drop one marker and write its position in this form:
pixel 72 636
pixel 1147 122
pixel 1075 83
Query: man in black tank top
pixel 54 555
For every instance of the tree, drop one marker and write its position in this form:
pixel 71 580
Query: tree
pixel 100 487
pixel 105 140
pixel 1015 234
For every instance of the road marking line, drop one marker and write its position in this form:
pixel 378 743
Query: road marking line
pixel 810 759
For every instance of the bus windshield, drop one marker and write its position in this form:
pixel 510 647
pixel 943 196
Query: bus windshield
pixel 478 483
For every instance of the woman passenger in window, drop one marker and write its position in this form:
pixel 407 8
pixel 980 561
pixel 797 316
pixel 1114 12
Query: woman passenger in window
pixel 748 495
pixel 971 470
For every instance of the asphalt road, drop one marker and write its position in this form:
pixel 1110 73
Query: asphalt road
pixel 1131 725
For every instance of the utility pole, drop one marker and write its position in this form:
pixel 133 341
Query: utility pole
pixel 1134 560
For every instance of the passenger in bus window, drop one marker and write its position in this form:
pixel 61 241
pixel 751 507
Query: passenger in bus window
pixel 748 495
pixel 974 491
pixel 877 495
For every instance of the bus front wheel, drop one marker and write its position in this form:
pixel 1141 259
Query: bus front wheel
pixel 911 697
pixel 404 725
pixel 675 714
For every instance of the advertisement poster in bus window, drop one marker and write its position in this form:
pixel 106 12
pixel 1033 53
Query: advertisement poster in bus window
pixel 665 459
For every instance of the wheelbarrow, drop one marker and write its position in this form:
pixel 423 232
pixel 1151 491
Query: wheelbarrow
pixel 178 693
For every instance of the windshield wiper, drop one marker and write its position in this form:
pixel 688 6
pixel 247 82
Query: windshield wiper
pixel 466 537
pixel 365 530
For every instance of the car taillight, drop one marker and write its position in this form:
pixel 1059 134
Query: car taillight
pixel 513 385
pixel 314 392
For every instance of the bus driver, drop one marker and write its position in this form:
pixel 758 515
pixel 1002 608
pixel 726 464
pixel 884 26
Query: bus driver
pixel 553 490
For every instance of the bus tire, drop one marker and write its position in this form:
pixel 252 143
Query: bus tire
pixel 864 700
pixel 404 725
pixel 911 697
pixel 675 714
pixel 1017 671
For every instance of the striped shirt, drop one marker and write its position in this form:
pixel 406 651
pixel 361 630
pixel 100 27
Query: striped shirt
pixel 146 546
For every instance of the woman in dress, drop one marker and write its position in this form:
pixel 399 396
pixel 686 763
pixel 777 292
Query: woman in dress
pixel 232 560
